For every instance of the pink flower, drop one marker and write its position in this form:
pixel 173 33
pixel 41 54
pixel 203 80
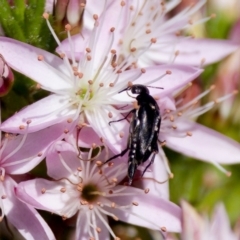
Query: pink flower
pixel 93 193
pixel 18 155
pixel 197 228
pixel 85 91
pixel 145 33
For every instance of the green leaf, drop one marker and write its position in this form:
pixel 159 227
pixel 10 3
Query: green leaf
pixel 11 26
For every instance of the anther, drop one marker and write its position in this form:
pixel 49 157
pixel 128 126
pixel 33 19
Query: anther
pixel 43 190
pixel 110 191
pixel 63 190
pixel 80 75
pixel 64 217
pixel 66 131
pixel 112 29
pixel 90 207
pixel 119 71
pixel 40 58
pixel 95 17
pixel 110 164
pixel 1 178
pixel 189 134
pixel 90 82
pixel 174 127
pixel 135 203
pixel 123 3
pixel 146 190
pixel 171 118
pixel 213 15
pixel 113 205
pixel 99 163
pixel 110 115
pixel 69 120
pixel 111 85
pixel 3 196
pixel 168 72
pixel 153 40
pixel 130 84
pixel 148 31
pixel 45 15
pixel 143 70
pixel 68 27
pixel 190 21
pixel 88 50
pixel 113 51
pixel 115 218
pixel 133 49
pixel 89 58
pixel 98 229
pixel 79 169
pixel 62 55
pixel 21 127
pixel 82 5
pixel 121 134
pixel 40 154
pixel 101 84
pixel 164 229
pixel 114 180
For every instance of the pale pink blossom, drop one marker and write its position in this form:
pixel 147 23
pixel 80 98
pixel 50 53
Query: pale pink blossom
pixel 85 91
pixel 196 227
pixel 18 155
pixel 92 191
pixel 138 23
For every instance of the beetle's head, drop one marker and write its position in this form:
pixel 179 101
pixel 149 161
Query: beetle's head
pixel 137 89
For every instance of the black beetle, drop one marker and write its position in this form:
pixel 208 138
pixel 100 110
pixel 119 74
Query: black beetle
pixel 143 131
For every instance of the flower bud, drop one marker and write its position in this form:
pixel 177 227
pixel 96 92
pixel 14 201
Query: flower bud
pixel 6 77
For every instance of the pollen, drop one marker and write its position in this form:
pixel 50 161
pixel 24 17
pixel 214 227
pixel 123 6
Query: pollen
pixel 153 40
pixel 68 27
pixel 135 203
pixel 45 15
pixel 21 127
pixel 95 17
pixel 40 154
pixel 164 229
pixel 146 190
pixel 123 3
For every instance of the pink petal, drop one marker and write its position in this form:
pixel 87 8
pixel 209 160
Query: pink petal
pixel 25 218
pixel 156 178
pixel 43 113
pixel 55 168
pixel 152 212
pixel 24 59
pixel 193 51
pixel 99 120
pixel 180 76
pixel 204 144
pixel 82 227
pixel 33 150
pixel 54 201
pixel 220 227
pixel 193 225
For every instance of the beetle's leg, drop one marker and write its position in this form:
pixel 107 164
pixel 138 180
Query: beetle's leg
pixel 151 162
pixel 131 171
pixel 121 118
pixel 118 155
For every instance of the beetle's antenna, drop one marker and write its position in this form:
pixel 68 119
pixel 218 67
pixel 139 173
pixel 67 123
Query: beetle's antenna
pixel 155 87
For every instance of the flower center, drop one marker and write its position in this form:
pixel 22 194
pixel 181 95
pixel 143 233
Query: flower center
pixel 90 192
